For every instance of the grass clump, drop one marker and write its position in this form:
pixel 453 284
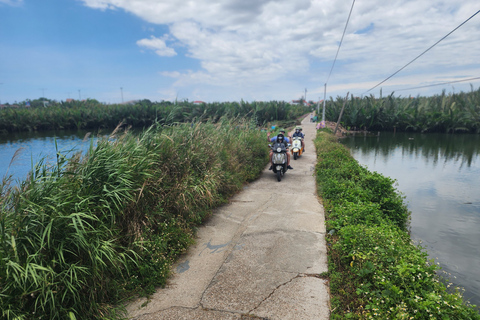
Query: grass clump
pixel 375 271
pixel 80 235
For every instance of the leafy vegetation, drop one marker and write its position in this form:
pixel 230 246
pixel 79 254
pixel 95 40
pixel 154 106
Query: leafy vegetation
pixel 457 112
pixel 92 115
pixel 375 271
pixel 80 235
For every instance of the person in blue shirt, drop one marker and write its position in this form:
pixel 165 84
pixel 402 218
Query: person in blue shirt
pixel 298 133
pixel 274 139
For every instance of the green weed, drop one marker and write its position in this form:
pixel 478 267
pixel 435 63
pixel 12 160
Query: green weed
pixel 375 271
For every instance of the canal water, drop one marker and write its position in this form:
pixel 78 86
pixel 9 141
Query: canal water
pixel 440 176
pixel 20 150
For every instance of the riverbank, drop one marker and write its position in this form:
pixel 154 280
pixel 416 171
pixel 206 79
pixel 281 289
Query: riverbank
pixel 374 269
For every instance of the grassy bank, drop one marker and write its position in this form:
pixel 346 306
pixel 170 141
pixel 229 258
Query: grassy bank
pixel 78 236
pixel 375 271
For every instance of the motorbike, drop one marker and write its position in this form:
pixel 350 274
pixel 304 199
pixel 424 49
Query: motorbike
pixel 279 159
pixel 297 148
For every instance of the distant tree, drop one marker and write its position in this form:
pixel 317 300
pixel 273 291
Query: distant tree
pixel 145 102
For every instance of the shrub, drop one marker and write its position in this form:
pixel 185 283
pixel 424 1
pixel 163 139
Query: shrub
pixel 375 271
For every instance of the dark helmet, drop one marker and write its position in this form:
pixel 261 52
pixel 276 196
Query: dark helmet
pixel 280 137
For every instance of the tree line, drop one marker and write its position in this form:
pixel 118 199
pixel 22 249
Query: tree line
pixel 93 115
pixel 445 113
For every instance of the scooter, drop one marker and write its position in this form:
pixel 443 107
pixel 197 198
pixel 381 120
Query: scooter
pixel 279 159
pixel 297 148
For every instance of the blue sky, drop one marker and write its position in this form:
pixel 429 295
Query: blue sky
pixel 227 50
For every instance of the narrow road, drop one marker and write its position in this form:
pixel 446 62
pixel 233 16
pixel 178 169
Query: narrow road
pixel 259 257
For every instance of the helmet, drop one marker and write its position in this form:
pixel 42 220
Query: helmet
pixel 282 130
pixel 299 128
pixel 280 137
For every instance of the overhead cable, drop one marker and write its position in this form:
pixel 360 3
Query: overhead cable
pixel 340 44
pixel 439 84
pixel 423 52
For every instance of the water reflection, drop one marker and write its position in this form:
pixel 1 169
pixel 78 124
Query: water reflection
pixel 439 175
pixel 433 147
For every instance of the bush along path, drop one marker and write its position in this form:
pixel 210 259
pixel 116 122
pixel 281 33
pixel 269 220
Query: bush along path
pixel 375 271
pixel 78 236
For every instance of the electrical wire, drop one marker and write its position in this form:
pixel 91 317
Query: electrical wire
pixel 340 44
pixel 423 52
pixel 439 84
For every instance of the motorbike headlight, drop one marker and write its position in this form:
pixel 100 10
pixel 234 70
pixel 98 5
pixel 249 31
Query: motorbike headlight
pixel 279 149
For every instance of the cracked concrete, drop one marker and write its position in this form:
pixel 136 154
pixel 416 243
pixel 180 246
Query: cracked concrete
pixel 258 257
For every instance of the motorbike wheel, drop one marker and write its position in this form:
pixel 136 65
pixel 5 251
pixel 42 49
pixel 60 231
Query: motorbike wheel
pixel 295 155
pixel 279 175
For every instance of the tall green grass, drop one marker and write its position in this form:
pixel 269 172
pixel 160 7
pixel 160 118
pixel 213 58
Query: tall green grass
pixel 375 271
pixel 79 235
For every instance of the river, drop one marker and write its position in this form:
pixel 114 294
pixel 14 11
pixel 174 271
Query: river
pixel 440 176
pixel 29 147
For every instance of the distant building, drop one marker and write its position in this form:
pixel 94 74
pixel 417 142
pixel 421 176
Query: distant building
pixel 299 102
pixel 198 102
pixel 130 102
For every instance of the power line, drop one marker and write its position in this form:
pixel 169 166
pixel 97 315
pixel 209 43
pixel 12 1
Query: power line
pixel 439 84
pixel 423 52
pixel 340 44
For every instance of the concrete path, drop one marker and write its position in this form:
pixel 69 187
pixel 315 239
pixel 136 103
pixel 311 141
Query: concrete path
pixel 259 257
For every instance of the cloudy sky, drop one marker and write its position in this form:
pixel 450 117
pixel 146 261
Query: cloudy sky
pixel 227 50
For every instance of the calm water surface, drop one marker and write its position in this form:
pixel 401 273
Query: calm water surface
pixel 440 176
pixel 30 147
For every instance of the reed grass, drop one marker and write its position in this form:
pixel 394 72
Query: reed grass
pixel 81 234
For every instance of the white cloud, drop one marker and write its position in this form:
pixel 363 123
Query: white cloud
pixel 158 45
pixel 252 43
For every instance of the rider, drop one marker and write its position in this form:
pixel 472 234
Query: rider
pixel 298 133
pixel 286 140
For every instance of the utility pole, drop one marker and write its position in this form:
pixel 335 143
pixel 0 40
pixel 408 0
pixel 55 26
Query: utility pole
pixel 43 92
pixel 341 113
pixel 121 91
pixel 324 99
pixel 79 96
pixel 305 97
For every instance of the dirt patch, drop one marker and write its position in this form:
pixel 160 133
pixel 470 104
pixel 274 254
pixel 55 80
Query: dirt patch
pixel 341 131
